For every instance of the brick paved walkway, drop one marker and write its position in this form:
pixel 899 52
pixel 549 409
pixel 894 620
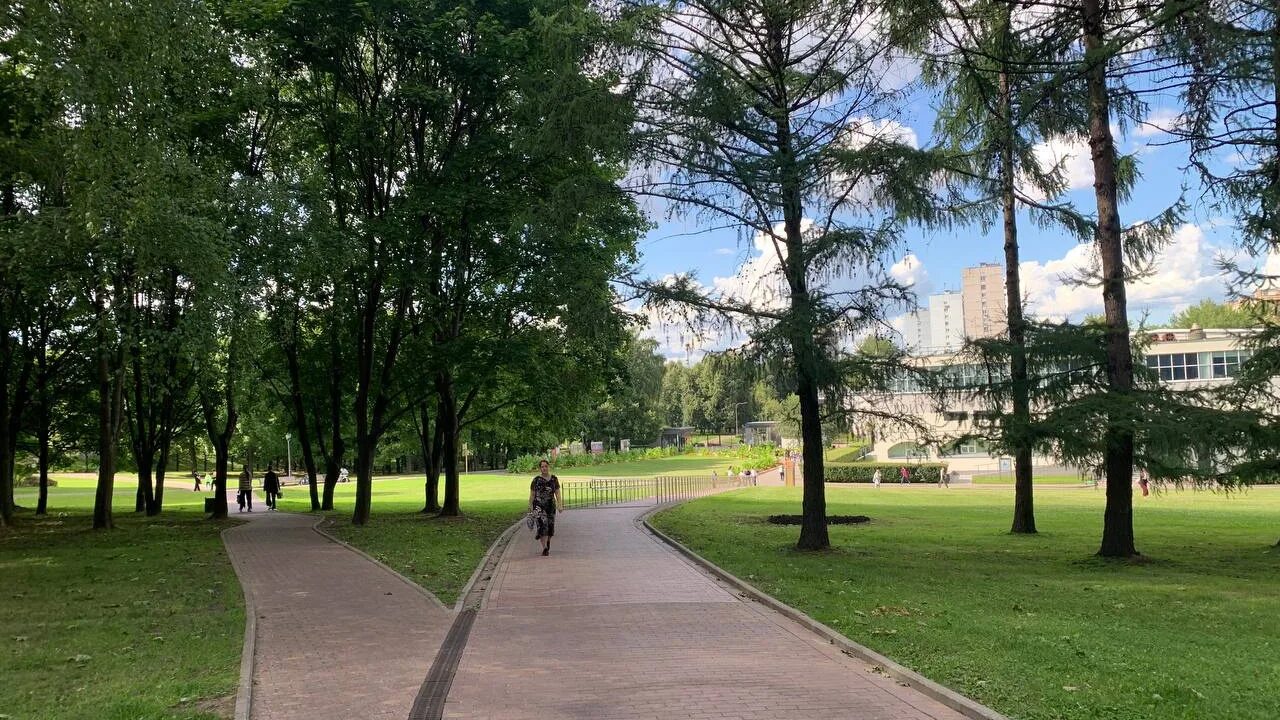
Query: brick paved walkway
pixel 338 637
pixel 615 626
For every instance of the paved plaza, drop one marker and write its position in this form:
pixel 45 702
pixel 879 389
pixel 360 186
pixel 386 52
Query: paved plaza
pixel 613 625
pixel 338 637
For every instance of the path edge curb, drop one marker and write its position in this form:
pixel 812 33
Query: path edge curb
pixel 496 548
pixel 244 693
pixel 425 592
pixel 941 693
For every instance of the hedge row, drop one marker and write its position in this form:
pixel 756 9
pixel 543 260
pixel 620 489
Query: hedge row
pixel 862 472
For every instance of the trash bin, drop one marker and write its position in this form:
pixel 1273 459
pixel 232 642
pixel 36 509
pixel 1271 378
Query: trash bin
pixel 209 504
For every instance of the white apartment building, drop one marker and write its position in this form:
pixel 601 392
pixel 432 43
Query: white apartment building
pixel 916 331
pixel 1183 358
pixel 985 305
pixel 946 322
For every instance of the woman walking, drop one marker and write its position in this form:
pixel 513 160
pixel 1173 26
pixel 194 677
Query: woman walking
pixel 544 493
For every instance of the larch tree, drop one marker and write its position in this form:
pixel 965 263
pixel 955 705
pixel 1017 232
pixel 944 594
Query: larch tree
pixel 1000 98
pixel 780 119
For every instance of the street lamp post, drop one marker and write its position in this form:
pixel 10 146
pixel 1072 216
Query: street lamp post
pixel 288 449
pixel 736 424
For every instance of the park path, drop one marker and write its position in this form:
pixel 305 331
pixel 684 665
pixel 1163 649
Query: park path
pixel 337 635
pixel 616 626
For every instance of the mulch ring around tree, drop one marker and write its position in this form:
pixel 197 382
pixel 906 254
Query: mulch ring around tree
pixel 831 519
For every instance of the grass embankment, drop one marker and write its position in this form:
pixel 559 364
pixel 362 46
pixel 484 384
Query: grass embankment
pixel 1034 626
pixel 144 621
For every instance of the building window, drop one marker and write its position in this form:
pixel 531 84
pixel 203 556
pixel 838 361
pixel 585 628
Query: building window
pixel 1220 364
pixel 1175 366
pixel 1227 363
pixel 907 451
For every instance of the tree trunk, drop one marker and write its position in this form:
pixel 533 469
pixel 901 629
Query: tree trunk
pixel 145 495
pixel 1117 529
pixel 6 457
pixel 337 446
pixel 162 464
pixel 110 400
pixel 365 448
pixel 813 524
pixel 430 440
pixel 300 416
pixel 1024 516
pixel 221 461
pixel 447 417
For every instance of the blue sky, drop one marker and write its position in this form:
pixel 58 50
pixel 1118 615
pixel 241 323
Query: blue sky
pixel 1185 273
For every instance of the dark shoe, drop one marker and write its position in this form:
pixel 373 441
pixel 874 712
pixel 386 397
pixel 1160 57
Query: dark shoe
pixel 538 536
pixel 546 551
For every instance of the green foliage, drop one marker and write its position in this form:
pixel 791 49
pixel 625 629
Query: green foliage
pixel 889 472
pixel 1210 314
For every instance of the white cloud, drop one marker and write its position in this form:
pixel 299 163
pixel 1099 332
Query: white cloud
pixel 911 272
pixel 725 251
pixel 1071 156
pixel 1185 272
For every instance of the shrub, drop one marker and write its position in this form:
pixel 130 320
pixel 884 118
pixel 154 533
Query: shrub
pixel 862 472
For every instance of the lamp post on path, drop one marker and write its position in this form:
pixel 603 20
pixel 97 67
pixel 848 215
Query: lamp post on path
pixel 288 450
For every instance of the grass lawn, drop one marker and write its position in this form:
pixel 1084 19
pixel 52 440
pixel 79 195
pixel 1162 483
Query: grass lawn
pixel 145 621
pixel 1036 480
pixel 1034 626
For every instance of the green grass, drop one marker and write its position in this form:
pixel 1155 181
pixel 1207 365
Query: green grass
pixel 1034 626
pixel 145 621
pixel 75 491
pixel 1037 480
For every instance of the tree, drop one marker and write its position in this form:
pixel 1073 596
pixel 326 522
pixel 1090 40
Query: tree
pixel 1210 314
pixel 775 118
pixel 631 407
pixel 1000 97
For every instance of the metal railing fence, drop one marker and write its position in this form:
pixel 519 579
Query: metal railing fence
pixel 615 491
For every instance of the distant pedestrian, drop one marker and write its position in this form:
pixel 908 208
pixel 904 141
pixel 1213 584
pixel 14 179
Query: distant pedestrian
pixel 271 486
pixel 245 497
pixel 875 477
pixel 904 475
pixel 196 477
pixel 1144 482
pixel 544 494
pixel 748 477
pixel 942 476
pixel 343 475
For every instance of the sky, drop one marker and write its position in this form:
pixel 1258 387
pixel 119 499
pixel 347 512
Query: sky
pixel 1186 271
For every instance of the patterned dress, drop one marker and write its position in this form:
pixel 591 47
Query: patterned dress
pixel 544 497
